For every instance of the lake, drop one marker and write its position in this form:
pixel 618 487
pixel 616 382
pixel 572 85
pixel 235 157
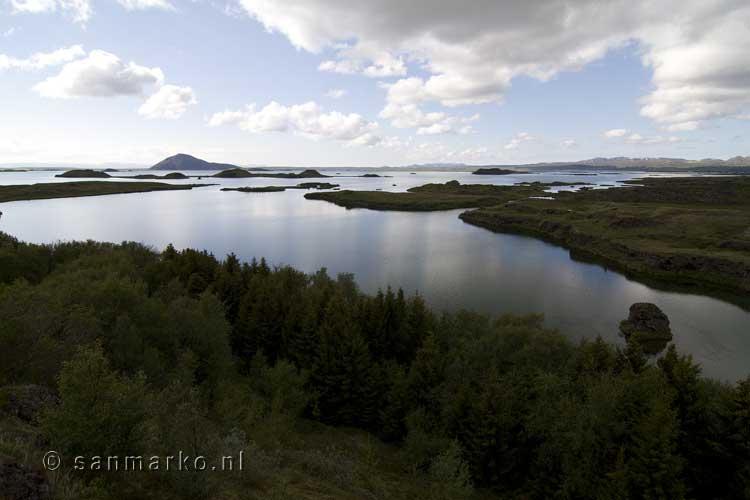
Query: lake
pixel 452 264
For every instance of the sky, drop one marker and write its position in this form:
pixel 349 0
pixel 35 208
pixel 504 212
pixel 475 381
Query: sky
pixel 372 82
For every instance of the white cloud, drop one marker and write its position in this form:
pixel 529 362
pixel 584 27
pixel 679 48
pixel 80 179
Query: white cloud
pixel 410 116
pixel 41 60
pixel 101 74
pixel 636 138
pixel 9 32
pixel 441 153
pixel 33 6
pixel 306 119
pixel 436 122
pixel 570 143
pixel 146 4
pixel 615 132
pixel 519 139
pixel 697 50
pixel 79 10
pixel 365 59
pixel 336 93
pixel 169 102
pixel 683 126
pixel 474 154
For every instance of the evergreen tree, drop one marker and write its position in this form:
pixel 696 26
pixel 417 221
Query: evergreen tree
pixel 343 373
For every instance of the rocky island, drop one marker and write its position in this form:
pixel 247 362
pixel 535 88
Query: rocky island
pixel 496 171
pixel 647 325
pixel 84 174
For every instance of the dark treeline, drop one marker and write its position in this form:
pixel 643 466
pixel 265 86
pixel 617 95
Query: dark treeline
pixel 150 352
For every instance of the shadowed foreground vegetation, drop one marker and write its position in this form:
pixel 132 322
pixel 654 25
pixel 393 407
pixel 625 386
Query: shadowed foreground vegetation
pixel 690 231
pixel 44 191
pixel 118 350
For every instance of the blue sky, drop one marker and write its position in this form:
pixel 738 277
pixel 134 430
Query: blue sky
pixel 136 80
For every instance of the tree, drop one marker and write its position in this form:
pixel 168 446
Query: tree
pixel 99 411
pixel 343 374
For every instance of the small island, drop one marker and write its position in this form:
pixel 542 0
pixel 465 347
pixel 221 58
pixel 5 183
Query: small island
pixel 241 173
pixel 172 176
pixel 84 174
pixel 648 326
pixel 496 171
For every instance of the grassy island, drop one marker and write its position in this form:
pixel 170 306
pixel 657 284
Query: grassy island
pixel 431 197
pixel 51 190
pixel 171 176
pixel 241 173
pixel 84 174
pixel 689 231
pixel 496 171
pixel 278 189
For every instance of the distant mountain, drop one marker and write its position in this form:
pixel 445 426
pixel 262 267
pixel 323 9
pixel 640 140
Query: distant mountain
pixel 621 162
pixel 187 162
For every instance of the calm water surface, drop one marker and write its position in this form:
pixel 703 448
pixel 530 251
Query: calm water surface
pixel 450 263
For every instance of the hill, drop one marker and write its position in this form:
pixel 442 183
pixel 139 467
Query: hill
pixel 186 162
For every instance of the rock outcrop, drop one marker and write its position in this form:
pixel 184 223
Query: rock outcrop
pixel 648 325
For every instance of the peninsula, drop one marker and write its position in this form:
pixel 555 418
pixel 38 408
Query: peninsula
pixel 45 191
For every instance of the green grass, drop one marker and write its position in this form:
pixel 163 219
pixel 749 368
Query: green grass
pixel 47 191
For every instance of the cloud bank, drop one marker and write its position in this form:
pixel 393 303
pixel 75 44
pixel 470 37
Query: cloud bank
pixel 696 50
pixel 100 74
pixel 306 119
